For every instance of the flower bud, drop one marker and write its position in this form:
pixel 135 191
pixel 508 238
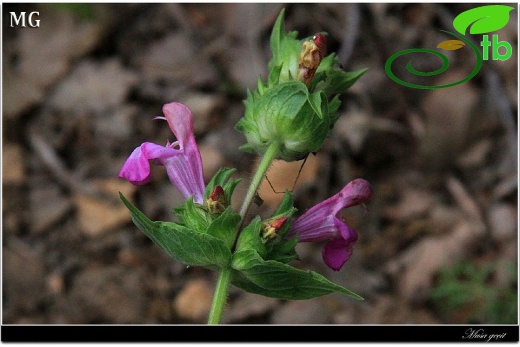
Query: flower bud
pixel 310 58
pixel 271 228
pixel 296 107
pixel 216 202
pixel 321 42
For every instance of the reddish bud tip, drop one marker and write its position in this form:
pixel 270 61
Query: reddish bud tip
pixel 216 202
pixel 277 223
pixel 321 42
pixel 217 194
pixel 272 227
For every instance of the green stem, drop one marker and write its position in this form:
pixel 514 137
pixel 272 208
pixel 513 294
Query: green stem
pixel 220 297
pixel 224 278
pixel 264 165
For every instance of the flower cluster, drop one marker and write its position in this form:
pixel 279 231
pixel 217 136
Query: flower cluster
pixel 296 107
pixel 286 118
pixel 183 164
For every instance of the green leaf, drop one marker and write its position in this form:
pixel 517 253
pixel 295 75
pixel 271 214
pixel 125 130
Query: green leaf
pixel 285 49
pixel 277 33
pixel 181 243
pixel 344 80
pixel 332 80
pixel 273 78
pixel 334 105
pixel 282 250
pixel 217 180
pixel 250 238
pixel 225 226
pixel 247 148
pixel 318 102
pixel 279 249
pixel 277 280
pixel 482 19
pixel 242 258
pixel 193 216
pixel 279 37
pixel 222 178
pixel 286 207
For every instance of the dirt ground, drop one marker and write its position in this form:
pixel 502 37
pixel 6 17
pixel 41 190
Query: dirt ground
pixel 437 245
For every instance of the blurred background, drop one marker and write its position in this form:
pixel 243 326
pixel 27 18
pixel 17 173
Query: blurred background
pixel 437 244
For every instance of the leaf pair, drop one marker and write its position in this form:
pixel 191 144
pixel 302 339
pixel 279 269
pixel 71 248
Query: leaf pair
pixel 262 268
pixel 259 266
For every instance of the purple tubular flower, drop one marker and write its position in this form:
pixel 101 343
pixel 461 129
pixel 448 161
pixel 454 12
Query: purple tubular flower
pixel 321 224
pixel 181 159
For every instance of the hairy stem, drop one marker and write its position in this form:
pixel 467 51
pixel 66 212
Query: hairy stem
pixel 261 170
pixel 224 279
pixel 220 296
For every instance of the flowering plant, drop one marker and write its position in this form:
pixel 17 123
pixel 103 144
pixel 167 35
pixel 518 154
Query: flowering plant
pixel 286 118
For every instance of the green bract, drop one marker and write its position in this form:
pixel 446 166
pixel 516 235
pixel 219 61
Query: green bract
pixel 285 49
pixel 288 115
pixel 286 111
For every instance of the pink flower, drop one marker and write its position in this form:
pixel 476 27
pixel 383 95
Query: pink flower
pixel 321 224
pixel 181 158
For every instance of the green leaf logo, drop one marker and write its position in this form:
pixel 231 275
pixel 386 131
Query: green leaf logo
pixel 483 19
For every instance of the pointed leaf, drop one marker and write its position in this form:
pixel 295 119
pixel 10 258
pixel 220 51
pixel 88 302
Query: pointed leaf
pixel 334 105
pixel 285 49
pixel 277 280
pixel 279 249
pixel 277 33
pixel 345 80
pixel 182 244
pixel 225 226
pixel 250 238
pixel 217 180
pixel 337 81
pixel 318 102
pixel 193 216
pixel 274 77
pixel 482 19
pixel 286 207
pixel 282 250
pixel 222 178
pixel 191 248
pixel 451 45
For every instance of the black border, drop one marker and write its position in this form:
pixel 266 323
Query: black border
pixel 259 333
